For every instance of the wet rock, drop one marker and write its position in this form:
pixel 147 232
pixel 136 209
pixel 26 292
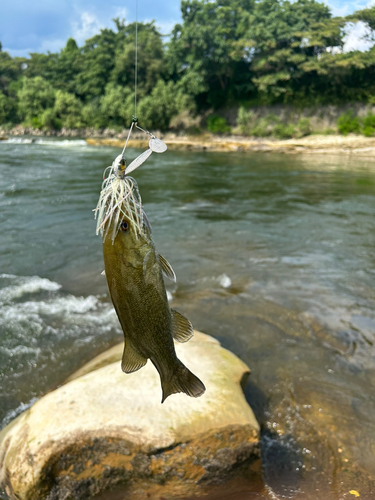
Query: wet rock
pixel 105 430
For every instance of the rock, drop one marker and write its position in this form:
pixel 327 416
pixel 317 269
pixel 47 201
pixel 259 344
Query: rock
pixel 104 430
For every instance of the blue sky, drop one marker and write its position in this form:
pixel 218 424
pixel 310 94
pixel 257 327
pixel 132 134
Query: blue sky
pixel 45 25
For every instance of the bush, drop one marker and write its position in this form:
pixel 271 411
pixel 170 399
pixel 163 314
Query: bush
pixel 117 105
pixel 92 116
pixel 165 101
pixel 369 125
pixel 49 120
pixel 35 96
pixel 217 125
pixel 68 109
pixel 303 127
pixel 5 108
pixel 35 122
pixel 282 131
pixel 245 120
pixel 348 123
pixel 261 128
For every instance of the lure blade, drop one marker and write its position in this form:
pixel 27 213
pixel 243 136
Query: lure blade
pixel 138 161
pixel 157 145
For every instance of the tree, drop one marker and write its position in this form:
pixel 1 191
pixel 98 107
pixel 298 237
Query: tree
pixel 5 108
pixel 35 96
pixel 117 105
pixel 68 109
pixel 283 36
pixel 96 64
pixel 10 69
pixel 150 64
pixel 165 101
pixel 205 44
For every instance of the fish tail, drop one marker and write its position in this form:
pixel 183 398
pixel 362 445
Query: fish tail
pixel 182 380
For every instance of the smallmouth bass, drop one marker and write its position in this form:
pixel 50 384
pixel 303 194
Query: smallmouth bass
pixel 134 272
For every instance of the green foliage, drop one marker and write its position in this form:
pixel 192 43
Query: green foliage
pixel 91 115
pixel 165 101
pixel 151 57
pixel 249 124
pixel 303 127
pixel 49 120
pixel 365 15
pixel 117 105
pixel 71 46
pixel 369 125
pixel 10 69
pixel 35 96
pixel 245 120
pixel 6 108
pixel 206 44
pixel 348 123
pixel 68 110
pixel 217 125
pixel 282 131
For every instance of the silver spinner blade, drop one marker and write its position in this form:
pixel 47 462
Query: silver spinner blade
pixel 138 161
pixel 157 145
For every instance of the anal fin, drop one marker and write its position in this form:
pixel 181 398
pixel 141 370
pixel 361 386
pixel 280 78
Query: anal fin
pixel 182 328
pixel 131 360
pixel 167 269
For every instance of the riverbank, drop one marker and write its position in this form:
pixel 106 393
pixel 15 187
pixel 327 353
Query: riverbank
pixel 317 144
pixel 351 144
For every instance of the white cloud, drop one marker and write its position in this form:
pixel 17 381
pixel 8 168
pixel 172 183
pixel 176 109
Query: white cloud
pixel 339 11
pixel 88 26
pixel 355 38
pixel 18 52
pixel 51 45
pixel 46 46
pixel 341 8
pixel 166 27
pixel 121 12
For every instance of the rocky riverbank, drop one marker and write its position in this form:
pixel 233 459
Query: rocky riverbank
pixel 315 144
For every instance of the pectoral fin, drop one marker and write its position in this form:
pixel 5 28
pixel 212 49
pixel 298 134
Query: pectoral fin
pixel 131 360
pixel 182 328
pixel 167 268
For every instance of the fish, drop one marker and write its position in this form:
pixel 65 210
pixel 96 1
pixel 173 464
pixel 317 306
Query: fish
pixel 134 271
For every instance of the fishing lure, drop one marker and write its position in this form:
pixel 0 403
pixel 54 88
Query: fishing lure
pixel 119 196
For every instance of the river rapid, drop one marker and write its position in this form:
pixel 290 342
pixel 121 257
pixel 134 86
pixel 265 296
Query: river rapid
pixel 274 256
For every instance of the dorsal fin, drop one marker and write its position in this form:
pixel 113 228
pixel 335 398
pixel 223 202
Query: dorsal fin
pixel 131 360
pixel 182 328
pixel 167 268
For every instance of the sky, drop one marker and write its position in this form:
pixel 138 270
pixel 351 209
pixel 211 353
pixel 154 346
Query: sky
pixel 45 25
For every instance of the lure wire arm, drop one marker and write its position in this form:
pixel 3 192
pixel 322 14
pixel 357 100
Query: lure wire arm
pixel 155 145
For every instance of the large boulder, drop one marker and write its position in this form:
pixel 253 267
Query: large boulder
pixel 104 430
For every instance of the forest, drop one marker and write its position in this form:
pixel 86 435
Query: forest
pixel 224 54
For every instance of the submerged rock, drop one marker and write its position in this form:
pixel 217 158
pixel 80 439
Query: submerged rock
pixel 105 430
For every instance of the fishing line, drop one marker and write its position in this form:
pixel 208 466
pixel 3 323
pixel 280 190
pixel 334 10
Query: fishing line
pixel 134 119
pixel 136 59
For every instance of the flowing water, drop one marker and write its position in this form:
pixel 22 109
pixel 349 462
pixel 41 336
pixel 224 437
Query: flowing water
pixel 274 256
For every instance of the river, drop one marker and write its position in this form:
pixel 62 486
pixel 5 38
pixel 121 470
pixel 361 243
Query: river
pixel 274 256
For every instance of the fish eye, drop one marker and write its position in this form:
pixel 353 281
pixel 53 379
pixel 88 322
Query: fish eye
pixel 124 226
